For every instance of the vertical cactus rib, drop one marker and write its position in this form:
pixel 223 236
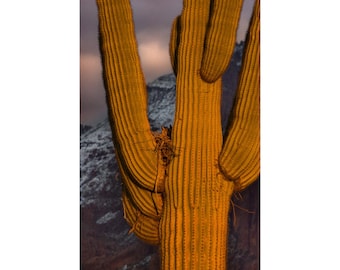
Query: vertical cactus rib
pixel 126 92
pixel 220 38
pixel 240 157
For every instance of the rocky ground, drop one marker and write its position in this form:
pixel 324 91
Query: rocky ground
pixel 105 242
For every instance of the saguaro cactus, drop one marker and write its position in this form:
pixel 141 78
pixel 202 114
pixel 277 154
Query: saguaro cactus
pixel 176 191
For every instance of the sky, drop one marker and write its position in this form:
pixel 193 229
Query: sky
pixel 153 20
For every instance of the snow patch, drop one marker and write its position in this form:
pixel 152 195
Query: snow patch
pixel 107 217
pixel 84 202
pixel 93 185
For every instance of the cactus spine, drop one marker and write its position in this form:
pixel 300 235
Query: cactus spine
pixel 177 192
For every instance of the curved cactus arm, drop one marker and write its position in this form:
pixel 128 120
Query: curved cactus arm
pixel 220 38
pixel 144 227
pixel 126 92
pixel 143 208
pixel 240 156
pixel 147 202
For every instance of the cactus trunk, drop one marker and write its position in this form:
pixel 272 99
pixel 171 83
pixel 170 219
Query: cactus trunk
pixel 193 226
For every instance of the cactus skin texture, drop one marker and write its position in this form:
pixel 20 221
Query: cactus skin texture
pixel 176 192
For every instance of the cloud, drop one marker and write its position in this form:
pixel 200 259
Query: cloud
pixel 92 94
pixel 155 59
pixel 90 68
pixel 88 27
pixel 153 20
pixel 155 14
pixel 246 13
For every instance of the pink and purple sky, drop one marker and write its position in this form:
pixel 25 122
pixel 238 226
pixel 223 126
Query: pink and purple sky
pixel 153 21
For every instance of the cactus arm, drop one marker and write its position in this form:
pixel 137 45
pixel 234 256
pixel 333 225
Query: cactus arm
pixel 220 38
pixel 126 92
pixel 144 227
pixel 142 198
pixel 143 208
pixel 240 156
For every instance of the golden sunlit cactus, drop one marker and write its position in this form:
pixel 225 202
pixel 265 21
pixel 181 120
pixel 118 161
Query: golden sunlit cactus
pixel 176 192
